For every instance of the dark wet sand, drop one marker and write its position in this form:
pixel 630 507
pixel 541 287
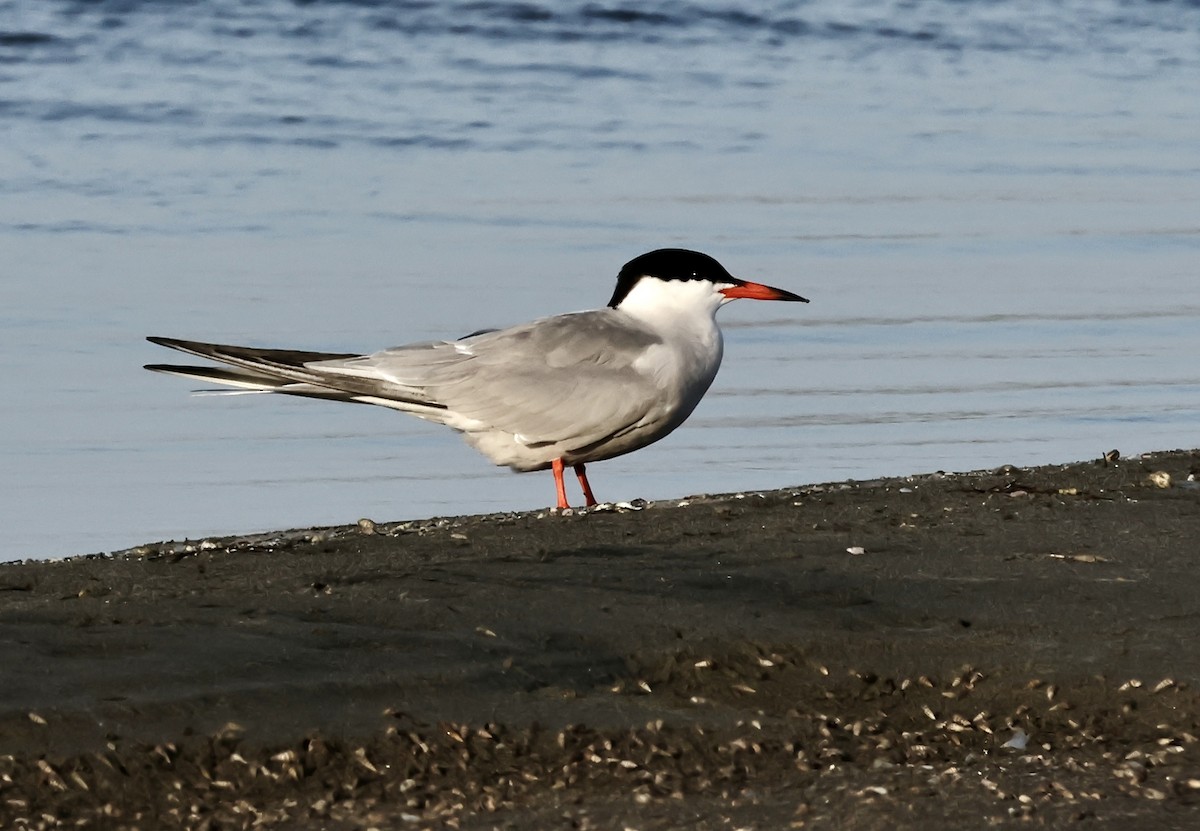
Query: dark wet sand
pixel 729 664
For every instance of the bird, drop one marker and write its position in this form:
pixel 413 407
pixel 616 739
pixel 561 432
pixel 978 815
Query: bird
pixel 566 390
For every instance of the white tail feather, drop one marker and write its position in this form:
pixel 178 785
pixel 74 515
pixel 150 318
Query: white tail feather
pixel 205 393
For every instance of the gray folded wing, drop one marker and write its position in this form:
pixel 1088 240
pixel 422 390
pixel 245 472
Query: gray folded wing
pixel 573 378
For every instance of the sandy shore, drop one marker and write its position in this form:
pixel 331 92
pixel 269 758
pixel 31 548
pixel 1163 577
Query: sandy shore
pixel 1015 647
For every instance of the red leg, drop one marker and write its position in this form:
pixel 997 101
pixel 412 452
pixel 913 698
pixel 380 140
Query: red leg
pixel 581 472
pixel 557 467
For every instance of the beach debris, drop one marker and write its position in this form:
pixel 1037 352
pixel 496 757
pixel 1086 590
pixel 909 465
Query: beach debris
pixel 366 527
pixel 623 507
pixel 980 722
pixel 1160 479
pixel 1111 457
pixel 230 731
pixel 1081 557
pixel 483 630
pixel 1018 741
pixel 35 718
pixel 360 755
pixel 856 550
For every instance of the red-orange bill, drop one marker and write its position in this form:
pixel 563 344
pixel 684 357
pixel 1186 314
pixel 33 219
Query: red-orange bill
pixel 757 291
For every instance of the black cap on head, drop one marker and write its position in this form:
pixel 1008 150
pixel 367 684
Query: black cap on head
pixel 669 264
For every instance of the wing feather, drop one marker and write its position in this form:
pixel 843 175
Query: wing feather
pixel 572 381
pixel 571 378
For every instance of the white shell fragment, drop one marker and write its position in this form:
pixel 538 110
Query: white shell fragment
pixel 615 507
pixel 1082 557
pixel 1018 741
pixel 856 550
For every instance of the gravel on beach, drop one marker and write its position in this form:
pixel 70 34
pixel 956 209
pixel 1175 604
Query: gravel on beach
pixel 1005 648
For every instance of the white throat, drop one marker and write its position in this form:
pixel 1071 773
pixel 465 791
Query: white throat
pixel 673 303
pixel 683 314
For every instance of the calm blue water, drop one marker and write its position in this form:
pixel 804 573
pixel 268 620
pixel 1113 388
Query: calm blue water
pixel 994 207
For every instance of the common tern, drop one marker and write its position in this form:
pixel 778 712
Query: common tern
pixel 563 390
